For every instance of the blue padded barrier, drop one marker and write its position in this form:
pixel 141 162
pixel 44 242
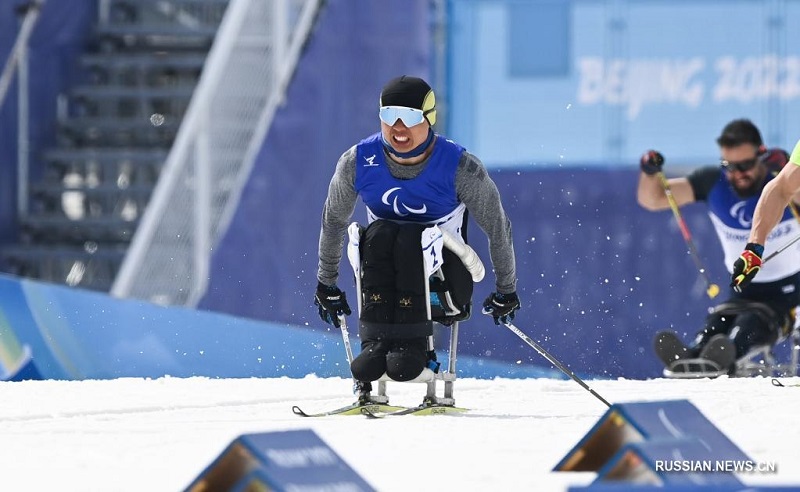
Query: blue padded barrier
pixel 626 423
pixel 286 460
pixel 683 461
pixel 681 488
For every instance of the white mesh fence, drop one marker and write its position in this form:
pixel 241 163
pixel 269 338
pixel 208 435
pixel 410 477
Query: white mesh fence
pixel 244 79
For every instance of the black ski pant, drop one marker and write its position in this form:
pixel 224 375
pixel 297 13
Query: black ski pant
pixel 747 330
pixel 394 324
pixel 759 316
pixel 400 359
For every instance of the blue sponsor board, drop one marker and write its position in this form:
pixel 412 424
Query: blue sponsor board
pixel 681 461
pixel 627 487
pixel 283 461
pixel 626 423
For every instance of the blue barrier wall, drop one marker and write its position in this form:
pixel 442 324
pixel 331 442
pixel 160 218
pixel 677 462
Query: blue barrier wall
pixel 73 334
pixel 598 275
pixel 55 332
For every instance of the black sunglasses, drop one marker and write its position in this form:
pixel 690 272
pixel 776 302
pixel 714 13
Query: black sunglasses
pixel 741 166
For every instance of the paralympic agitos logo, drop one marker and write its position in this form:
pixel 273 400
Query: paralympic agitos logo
pixel 392 198
pixel 739 213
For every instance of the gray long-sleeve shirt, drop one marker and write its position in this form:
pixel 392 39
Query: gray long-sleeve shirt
pixel 474 188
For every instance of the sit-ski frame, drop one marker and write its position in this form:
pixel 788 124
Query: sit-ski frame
pixel 448 376
pixel 760 361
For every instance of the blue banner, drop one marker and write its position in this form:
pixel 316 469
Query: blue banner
pixel 575 83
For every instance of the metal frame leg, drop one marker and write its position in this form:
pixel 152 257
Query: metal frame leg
pixel 451 361
pixel 430 391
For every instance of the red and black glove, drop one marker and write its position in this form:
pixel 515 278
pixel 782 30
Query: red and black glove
pixel 746 266
pixel 651 163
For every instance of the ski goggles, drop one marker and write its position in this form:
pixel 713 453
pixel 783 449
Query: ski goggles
pixel 741 166
pixel 409 116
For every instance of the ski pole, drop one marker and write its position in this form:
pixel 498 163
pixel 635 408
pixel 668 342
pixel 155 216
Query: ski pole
pixel 553 360
pixel 781 249
pixel 346 338
pixel 712 289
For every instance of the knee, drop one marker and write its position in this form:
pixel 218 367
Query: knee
pixel 407 361
pixel 751 332
pixel 401 368
pixel 370 364
pixel 366 368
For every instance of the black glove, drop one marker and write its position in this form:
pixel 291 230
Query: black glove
pixel 332 303
pixel 651 162
pixel 501 307
pixel 746 266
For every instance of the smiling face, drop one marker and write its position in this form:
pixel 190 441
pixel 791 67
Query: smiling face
pixel 746 182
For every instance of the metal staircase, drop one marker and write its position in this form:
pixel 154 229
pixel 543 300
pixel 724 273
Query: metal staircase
pixel 114 135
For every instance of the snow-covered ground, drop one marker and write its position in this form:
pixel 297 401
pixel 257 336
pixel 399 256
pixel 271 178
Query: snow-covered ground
pixel 158 435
